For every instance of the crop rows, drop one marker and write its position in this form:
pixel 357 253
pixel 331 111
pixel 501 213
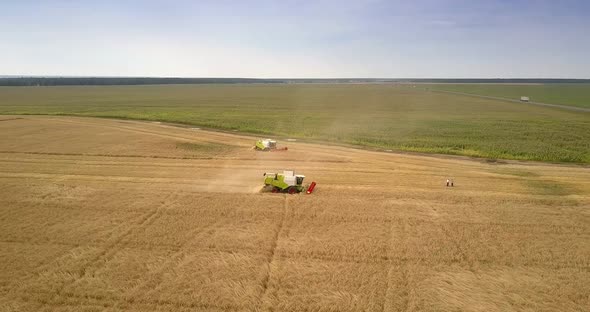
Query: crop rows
pixel 385 116
pixel 380 233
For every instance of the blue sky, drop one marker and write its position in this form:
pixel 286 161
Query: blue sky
pixel 323 39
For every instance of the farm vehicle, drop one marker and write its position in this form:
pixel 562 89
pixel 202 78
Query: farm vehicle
pixel 286 182
pixel 268 145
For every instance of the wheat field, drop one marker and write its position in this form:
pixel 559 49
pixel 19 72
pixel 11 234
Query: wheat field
pixel 107 215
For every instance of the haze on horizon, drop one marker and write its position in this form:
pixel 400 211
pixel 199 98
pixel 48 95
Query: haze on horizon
pixel 297 39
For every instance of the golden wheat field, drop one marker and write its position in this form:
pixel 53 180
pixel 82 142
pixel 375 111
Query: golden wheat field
pixel 107 215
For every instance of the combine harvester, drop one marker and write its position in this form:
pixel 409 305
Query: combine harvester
pixel 287 182
pixel 268 145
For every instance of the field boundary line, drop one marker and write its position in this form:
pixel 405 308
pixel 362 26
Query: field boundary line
pixel 561 106
pixel 162 157
pixel 107 155
pixel 131 128
pixel 10 119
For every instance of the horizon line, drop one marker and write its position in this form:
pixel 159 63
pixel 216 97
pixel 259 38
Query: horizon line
pixel 291 78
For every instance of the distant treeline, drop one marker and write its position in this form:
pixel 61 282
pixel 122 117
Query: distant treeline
pixel 99 81
pixel 107 81
pixel 514 80
pixel 436 80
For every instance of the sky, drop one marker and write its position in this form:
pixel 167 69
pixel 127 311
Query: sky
pixel 297 39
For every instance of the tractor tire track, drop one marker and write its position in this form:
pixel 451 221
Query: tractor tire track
pixel 560 106
pixel 388 264
pixel 402 262
pixel 10 119
pixel 174 260
pixel 111 249
pixel 100 303
pixel 447 233
pixel 160 134
pixel 266 298
pixel 45 267
pixel 110 155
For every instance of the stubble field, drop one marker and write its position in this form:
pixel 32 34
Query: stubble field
pixel 121 215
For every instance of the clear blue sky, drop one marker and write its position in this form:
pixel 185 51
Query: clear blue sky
pixel 363 38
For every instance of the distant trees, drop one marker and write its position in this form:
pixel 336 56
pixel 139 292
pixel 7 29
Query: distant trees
pixel 104 81
pixel 99 81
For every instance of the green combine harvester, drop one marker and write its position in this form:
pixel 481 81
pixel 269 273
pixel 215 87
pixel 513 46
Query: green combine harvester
pixel 286 182
pixel 268 145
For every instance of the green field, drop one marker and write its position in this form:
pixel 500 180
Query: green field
pixel 385 116
pixel 564 94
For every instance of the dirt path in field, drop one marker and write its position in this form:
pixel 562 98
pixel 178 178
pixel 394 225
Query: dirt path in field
pixel 127 215
pixel 560 106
